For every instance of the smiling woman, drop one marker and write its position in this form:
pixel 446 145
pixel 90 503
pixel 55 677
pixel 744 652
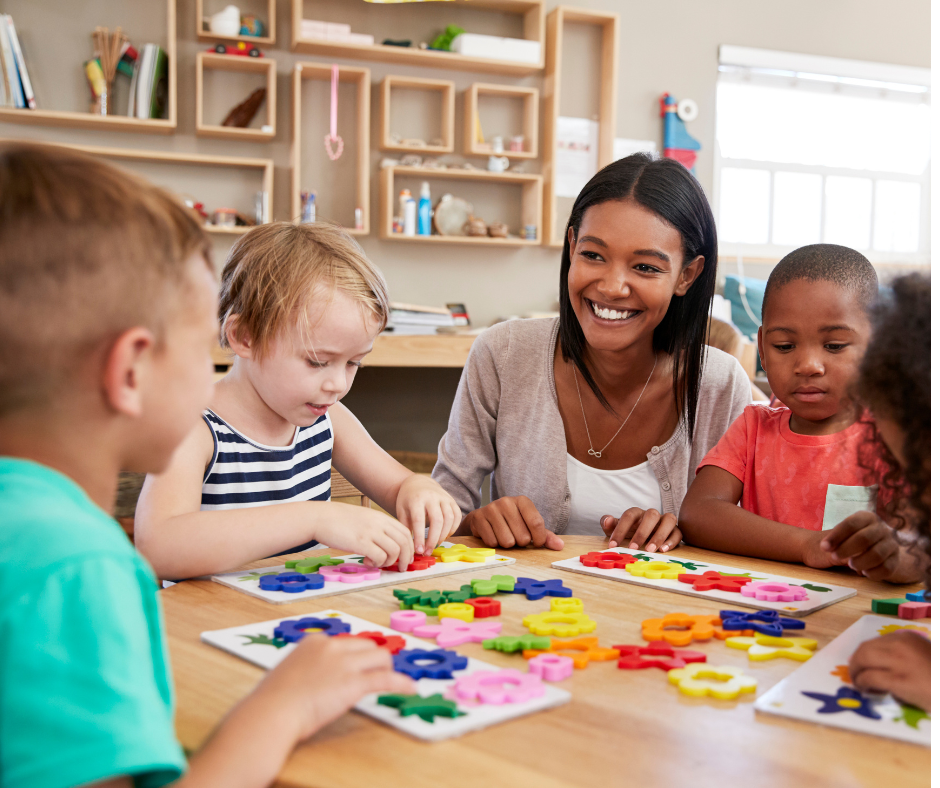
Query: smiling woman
pixel 594 422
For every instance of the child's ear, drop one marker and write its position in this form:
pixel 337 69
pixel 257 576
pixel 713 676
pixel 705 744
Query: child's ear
pixel 126 370
pixel 238 339
pixel 688 276
pixel 760 346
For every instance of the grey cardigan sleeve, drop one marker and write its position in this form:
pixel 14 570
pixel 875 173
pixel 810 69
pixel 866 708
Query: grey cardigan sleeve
pixel 467 452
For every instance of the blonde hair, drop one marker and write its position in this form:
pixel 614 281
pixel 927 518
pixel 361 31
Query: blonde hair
pixel 273 271
pixel 87 251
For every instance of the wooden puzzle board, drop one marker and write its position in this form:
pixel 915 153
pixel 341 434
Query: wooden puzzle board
pixel 823 675
pixel 248 643
pixel 818 595
pixel 248 582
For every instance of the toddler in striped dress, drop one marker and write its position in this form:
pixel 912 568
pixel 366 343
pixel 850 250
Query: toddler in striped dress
pixel 300 307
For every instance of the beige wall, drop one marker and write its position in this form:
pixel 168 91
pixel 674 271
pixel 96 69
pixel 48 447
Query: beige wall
pixel 665 45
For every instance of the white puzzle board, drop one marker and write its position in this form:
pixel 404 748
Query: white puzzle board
pixel 248 582
pixel 823 675
pixel 248 642
pixel 819 595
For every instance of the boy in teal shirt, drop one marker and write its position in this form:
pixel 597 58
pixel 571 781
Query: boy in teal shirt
pixel 107 317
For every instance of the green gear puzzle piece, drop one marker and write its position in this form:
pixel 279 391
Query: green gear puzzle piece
pixel 911 716
pixel 408 597
pixel 426 708
pixel 483 587
pixel 307 566
pixel 457 596
pixel 512 643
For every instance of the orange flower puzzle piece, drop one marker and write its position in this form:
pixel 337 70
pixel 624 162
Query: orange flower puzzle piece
pixel 680 629
pixel 581 651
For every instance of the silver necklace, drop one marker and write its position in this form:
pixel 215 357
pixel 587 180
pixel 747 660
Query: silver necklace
pixel 592 451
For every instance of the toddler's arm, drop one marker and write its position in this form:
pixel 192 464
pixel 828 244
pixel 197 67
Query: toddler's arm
pixel 416 500
pixel 710 517
pixel 181 541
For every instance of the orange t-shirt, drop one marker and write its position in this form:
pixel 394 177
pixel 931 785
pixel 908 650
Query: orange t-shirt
pixel 787 477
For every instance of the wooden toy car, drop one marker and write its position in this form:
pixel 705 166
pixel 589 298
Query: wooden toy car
pixel 239 49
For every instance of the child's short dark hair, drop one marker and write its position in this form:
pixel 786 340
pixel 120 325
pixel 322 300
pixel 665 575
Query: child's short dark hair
pixel 827 262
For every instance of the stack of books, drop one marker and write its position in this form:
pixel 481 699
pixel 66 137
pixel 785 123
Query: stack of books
pixel 15 88
pixel 148 93
pixel 410 319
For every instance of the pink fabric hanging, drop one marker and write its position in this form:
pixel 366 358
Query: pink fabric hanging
pixel 333 138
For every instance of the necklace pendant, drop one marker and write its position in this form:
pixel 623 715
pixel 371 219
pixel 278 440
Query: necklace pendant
pixel 594 453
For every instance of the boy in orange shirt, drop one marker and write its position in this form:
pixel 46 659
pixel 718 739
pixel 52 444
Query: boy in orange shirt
pixel 795 470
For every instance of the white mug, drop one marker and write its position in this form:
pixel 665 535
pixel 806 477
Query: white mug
pixel 498 164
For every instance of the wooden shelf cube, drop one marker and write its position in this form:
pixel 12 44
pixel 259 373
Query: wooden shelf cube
pixel 442 86
pixel 267 67
pixel 530 120
pixel 204 34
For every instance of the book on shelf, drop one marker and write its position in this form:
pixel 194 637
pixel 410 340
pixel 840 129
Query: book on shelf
pixel 149 93
pixel 12 85
pixel 25 84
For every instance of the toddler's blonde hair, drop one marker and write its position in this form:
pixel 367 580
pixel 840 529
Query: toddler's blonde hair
pixel 274 270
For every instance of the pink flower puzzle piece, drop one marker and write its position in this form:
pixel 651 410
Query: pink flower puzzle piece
pixel 551 667
pixel 774 592
pixel 454 632
pixel 407 620
pixel 350 573
pixel 499 687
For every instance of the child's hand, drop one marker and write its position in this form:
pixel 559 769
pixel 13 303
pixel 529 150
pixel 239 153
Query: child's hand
pixel 422 501
pixel 658 531
pixel 898 663
pixel 868 545
pixel 511 521
pixel 813 553
pixel 380 538
pixel 326 676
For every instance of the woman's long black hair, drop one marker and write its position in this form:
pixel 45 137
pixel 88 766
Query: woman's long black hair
pixel 669 190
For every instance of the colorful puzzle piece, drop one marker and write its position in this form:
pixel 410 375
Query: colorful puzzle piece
pixel 458 610
pixel 680 629
pixel 420 563
pixel 407 620
pixel 566 605
pixel 419 663
pixel 559 624
pixel 607 560
pixel 889 628
pixel 350 573
pixel 846 699
pixel 764 647
pixel 664 657
pixel 536 589
pixel 499 687
pixel 484 607
pixel 713 581
pixel 392 643
pixel 426 708
pixel 774 592
pixel 459 552
pixel 454 632
pixel 512 643
pixel 887 607
pixel 551 667
pixel 296 629
pixel 766 622
pixel 290 582
pixel 917 596
pixel 428 601
pixel 842 672
pixel 581 651
pixel 484 587
pixel 311 564
pixel 912 610
pixel 701 680
pixel 655 570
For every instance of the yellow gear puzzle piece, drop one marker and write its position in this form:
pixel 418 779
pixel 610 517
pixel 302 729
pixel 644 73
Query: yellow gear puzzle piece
pixel 655 570
pixel 569 605
pixel 763 647
pixel 460 552
pixel 700 680
pixel 563 625
pixel 581 651
pixel 459 610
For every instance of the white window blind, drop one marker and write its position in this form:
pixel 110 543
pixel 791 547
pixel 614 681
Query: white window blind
pixel 817 149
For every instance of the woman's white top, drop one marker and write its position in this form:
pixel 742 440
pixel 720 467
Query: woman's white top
pixel 595 493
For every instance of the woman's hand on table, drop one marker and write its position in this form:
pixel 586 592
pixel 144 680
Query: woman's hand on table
pixel 512 521
pixel 899 663
pixel 637 527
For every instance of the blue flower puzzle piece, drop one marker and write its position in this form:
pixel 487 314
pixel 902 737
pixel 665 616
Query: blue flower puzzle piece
pixel 441 663
pixel 293 630
pixel 536 589
pixel 291 582
pixel 767 622
pixel 918 596
pixel 846 699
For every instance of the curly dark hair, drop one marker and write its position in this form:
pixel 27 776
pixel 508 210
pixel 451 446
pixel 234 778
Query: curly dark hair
pixel 894 383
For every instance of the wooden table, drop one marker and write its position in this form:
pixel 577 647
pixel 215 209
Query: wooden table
pixel 621 727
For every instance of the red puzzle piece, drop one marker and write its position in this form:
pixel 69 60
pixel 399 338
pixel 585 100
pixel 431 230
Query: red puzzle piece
pixel 420 562
pixel 392 642
pixel 712 581
pixel 631 657
pixel 484 607
pixel 607 560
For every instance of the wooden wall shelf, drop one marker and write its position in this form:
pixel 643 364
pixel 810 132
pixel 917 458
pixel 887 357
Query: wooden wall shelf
pixel 532 12
pixel 361 78
pixel 531 203
pixel 442 86
pixel 530 99
pixel 270 23
pixel 245 65
pixel 607 118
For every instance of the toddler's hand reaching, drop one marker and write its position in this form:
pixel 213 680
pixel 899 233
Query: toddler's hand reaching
pixel 422 501
pixel 899 663
pixel 870 547
pixel 638 527
pixel 380 538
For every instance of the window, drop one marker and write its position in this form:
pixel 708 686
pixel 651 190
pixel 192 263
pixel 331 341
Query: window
pixel 817 149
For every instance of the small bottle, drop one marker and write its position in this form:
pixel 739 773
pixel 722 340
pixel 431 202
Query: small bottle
pixel 403 196
pixel 358 215
pixel 410 215
pixel 308 211
pixel 424 210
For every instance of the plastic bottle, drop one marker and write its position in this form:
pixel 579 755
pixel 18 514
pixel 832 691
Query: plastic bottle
pixel 424 210
pixel 410 214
